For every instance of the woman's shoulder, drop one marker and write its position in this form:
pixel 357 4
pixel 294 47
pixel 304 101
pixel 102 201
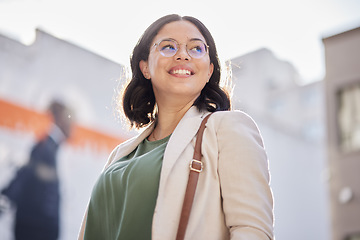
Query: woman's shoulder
pixel 231 113
pixel 236 125
pixel 227 118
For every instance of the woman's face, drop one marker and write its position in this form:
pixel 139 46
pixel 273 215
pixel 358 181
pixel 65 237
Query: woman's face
pixel 180 76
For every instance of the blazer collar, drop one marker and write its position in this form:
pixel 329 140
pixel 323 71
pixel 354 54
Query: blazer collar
pixel 183 134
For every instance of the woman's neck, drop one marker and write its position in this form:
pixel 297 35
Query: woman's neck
pixel 168 118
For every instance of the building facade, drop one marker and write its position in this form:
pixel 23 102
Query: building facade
pixel 342 87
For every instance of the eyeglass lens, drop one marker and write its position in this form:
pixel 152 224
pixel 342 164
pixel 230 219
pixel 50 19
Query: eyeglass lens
pixel 195 48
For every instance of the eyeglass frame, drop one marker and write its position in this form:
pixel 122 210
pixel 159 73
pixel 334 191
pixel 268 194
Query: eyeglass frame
pixel 178 46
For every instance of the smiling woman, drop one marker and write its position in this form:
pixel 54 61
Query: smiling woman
pixel 141 191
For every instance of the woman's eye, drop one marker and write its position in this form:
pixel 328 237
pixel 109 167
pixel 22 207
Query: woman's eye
pixel 197 49
pixel 168 47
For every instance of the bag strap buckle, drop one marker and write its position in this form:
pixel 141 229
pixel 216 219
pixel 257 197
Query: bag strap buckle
pixel 196 165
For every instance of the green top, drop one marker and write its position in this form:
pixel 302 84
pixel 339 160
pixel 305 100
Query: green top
pixel 123 200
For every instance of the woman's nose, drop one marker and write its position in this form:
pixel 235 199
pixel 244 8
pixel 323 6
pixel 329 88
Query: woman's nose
pixel 182 54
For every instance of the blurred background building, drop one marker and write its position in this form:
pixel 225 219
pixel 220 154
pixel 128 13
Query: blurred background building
pixel 342 87
pixel 30 77
pixel 291 118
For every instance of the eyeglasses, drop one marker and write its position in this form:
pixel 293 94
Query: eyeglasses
pixel 195 48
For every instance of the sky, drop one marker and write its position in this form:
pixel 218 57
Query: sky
pixel 291 29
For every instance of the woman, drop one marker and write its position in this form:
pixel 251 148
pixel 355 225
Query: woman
pixel 139 195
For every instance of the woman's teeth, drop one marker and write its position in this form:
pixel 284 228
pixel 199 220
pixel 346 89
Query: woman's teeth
pixel 181 72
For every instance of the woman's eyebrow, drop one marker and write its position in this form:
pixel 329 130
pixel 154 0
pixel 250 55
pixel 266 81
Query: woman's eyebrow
pixel 168 39
pixel 196 39
pixel 173 39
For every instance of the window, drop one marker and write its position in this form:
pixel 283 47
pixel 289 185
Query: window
pixel 353 237
pixel 349 117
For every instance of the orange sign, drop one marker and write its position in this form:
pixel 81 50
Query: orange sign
pixel 23 119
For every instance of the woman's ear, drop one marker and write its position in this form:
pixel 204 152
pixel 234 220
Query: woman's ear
pixel 144 67
pixel 211 70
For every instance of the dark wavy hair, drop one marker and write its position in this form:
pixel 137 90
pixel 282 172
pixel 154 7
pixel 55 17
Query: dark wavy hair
pixel 139 99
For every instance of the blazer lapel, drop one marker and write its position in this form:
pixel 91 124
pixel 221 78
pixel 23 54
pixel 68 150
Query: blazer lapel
pixel 183 134
pixel 127 147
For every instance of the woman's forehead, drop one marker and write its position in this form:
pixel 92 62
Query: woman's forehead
pixel 181 31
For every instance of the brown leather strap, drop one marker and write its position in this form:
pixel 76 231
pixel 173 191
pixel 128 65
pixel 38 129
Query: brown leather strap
pixel 196 166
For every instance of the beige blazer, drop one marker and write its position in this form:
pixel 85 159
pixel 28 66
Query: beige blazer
pixel 233 198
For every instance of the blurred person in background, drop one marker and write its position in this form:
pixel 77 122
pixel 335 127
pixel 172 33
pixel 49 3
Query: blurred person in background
pixel 34 191
pixel 139 195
